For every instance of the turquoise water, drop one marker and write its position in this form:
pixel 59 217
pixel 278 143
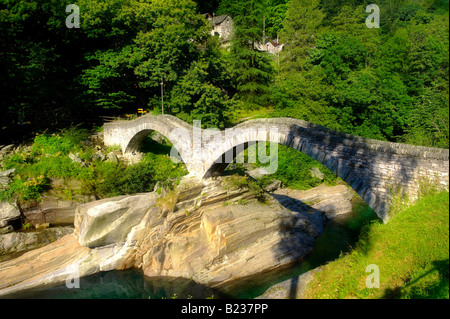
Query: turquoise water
pixel 338 237
pixel 125 284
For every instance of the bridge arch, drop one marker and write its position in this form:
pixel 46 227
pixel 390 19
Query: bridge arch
pixel 371 167
pixel 130 135
pixel 309 147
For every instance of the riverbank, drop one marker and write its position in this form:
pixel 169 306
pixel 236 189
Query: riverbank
pixel 411 253
pixel 217 234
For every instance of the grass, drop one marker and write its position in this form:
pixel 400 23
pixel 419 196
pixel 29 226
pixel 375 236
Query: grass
pixel 48 157
pixel 411 251
pixel 244 114
pixel 293 170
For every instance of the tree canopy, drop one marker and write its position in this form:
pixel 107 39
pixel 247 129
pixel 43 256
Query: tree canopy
pixel 389 83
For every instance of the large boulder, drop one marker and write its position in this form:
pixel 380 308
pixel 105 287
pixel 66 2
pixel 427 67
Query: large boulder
pixel 51 210
pixel 225 246
pixel 333 201
pixel 109 221
pixel 18 242
pixel 9 214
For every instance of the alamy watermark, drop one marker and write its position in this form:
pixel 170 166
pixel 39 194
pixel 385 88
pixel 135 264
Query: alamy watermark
pixel 73 279
pixel 73 19
pixel 373 20
pixel 373 280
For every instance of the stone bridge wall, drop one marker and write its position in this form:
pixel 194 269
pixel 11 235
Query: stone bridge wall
pixel 372 168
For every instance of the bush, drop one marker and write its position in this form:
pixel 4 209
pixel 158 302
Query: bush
pixel 48 158
pixel 117 179
pixel 29 189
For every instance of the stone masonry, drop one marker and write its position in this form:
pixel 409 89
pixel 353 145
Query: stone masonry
pixel 372 168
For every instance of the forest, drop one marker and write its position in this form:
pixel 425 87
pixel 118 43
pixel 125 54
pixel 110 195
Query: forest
pixel 388 83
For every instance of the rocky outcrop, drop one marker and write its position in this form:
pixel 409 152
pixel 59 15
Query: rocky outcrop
pixel 333 201
pixel 224 246
pixel 109 221
pixel 293 288
pixel 210 231
pixel 10 218
pixel 9 214
pixel 50 210
pixel 18 242
pixel 56 206
pixel 53 263
pixel 6 178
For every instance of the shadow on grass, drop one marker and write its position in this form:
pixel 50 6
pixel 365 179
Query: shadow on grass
pixel 414 290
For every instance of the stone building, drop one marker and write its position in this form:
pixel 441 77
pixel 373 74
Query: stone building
pixel 222 26
pixel 270 47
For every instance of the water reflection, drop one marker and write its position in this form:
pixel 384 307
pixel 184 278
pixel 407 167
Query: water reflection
pixel 125 284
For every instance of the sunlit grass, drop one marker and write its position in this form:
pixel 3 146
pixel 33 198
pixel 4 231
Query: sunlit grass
pixel 411 251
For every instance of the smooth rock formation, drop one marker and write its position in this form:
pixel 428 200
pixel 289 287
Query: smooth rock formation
pixel 9 214
pixel 222 246
pixel 333 201
pixel 222 237
pixel 53 263
pixel 109 221
pixel 207 231
pixel 50 210
pixel 17 242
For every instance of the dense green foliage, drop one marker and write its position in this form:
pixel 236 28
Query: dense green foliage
pixel 389 83
pixel 47 159
pixel 294 170
pixel 252 68
pixel 411 251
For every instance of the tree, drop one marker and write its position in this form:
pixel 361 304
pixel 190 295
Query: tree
pixel 201 94
pixel 252 68
pixel 301 26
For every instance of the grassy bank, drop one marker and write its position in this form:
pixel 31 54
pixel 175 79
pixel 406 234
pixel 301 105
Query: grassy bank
pixel 411 251
pixel 48 157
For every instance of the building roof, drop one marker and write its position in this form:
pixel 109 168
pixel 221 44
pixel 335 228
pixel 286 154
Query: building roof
pixel 219 19
pixel 215 20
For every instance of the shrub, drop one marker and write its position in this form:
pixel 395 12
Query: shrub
pixel 28 189
pixel 48 158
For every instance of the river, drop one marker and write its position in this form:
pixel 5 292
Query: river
pixel 338 237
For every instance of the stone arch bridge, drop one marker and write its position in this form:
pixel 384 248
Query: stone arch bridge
pixel 372 168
